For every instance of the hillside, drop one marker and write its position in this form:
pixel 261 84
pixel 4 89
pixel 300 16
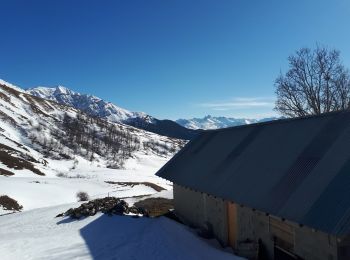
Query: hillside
pixel 49 152
pixel 34 130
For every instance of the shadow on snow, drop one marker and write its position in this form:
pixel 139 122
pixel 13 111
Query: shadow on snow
pixel 125 237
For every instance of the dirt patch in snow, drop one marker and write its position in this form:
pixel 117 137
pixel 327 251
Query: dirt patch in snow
pixel 132 184
pixel 155 206
pixel 18 144
pixel 8 119
pixel 7 157
pixel 10 90
pixel 8 203
pixel 6 172
pixel 5 97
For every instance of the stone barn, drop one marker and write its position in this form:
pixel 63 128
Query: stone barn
pixel 274 190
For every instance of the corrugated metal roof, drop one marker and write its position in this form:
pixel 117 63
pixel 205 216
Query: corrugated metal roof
pixel 298 169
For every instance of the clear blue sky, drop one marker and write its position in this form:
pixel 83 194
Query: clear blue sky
pixel 169 58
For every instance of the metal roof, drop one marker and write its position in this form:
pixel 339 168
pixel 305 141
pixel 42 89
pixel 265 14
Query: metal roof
pixel 297 169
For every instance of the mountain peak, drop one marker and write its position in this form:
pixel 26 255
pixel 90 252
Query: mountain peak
pixel 90 104
pixel 63 90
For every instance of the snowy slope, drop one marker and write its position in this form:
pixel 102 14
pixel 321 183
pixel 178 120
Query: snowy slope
pixel 49 152
pixel 61 185
pixel 34 130
pixel 98 107
pixel 37 234
pixel 210 122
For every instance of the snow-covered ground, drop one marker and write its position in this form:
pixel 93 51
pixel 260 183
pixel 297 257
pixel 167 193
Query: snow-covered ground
pixel 37 234
pixel 35 191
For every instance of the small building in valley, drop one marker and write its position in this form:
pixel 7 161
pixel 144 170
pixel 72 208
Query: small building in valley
pixel 277 190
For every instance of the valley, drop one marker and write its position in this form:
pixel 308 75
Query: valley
pixel 50 151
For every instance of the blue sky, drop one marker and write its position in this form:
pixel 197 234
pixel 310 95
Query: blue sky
pixel 169 58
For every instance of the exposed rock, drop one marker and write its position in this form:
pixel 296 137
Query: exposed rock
pixel 108 205
pixel 132 184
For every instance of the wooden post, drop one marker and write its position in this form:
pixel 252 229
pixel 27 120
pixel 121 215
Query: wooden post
pixel 232 223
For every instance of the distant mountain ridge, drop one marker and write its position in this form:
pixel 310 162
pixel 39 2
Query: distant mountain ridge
pixel 97 107
pixel 88 103
pixel 210 122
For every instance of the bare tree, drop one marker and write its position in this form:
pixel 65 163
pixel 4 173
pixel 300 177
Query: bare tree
pixel 316 82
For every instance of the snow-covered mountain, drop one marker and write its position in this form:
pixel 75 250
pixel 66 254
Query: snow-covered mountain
pixel 34 131
pixel 50 151
pixel 90 104
pixel 98 107
pixel 210 122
